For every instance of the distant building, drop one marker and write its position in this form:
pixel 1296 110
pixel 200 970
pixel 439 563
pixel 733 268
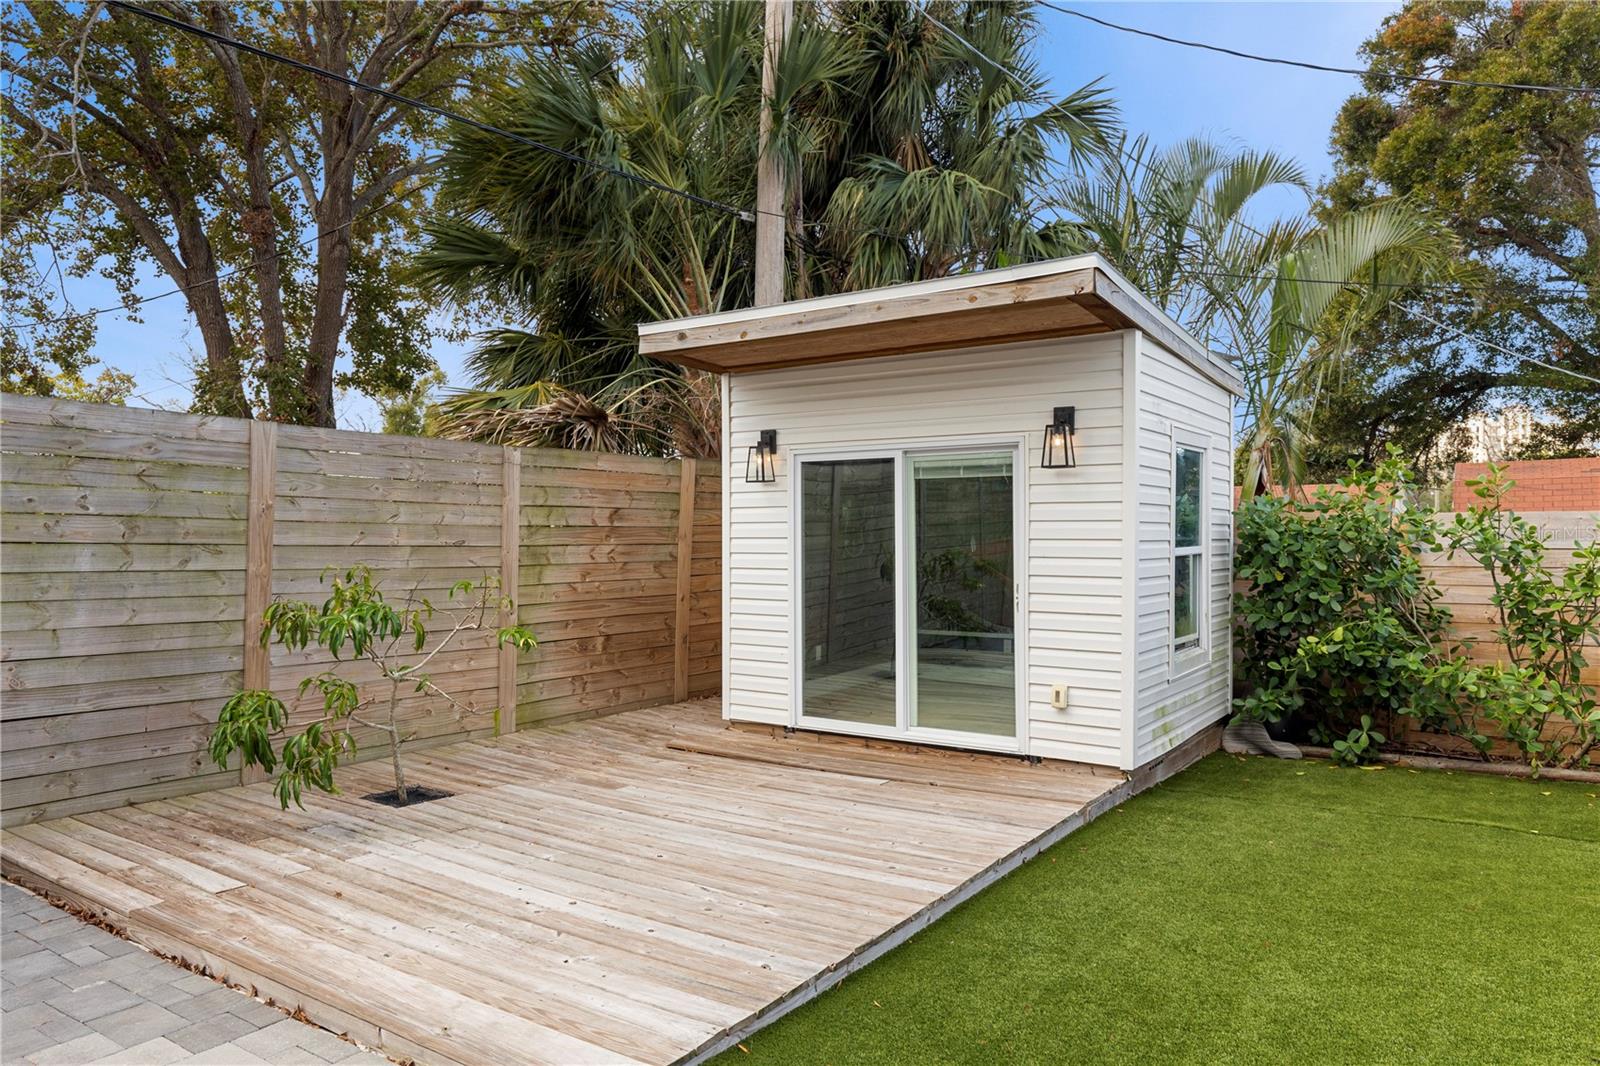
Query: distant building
pixel 1488 438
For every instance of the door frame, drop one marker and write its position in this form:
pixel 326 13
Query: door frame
pixel 904 532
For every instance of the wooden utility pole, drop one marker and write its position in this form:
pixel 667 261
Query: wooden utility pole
pixel 770 177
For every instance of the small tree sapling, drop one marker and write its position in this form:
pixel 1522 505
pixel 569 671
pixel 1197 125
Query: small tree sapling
pixel 355 621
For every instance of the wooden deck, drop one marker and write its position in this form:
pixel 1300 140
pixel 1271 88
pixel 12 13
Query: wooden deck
pixel 644 887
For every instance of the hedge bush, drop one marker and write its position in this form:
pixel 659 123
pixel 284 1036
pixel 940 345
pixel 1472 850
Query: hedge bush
pixel 1340 623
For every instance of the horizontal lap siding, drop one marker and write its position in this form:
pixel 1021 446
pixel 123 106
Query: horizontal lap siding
pixel 1173 397
pixel 122 573
pixel 422 514
pixel 1073 518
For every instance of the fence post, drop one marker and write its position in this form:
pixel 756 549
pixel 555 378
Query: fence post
pixel 680 627
pixel 263 491
pixel 510 565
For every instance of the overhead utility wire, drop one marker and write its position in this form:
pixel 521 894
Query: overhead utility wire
pixel 1356 71
pixel 1148 165
pixel 744 214
pixel 1324 281
pixel 1497 347
pixel 201 31
pixel 433 109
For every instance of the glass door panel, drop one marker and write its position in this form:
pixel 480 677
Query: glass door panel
pixel 962 596
pixel 848 571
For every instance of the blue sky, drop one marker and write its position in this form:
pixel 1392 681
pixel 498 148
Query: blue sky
pixel 1163 90
pixel 1170 92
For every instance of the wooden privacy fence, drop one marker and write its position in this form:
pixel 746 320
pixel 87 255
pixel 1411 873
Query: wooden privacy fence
pixel 139 549
pixel 1467 589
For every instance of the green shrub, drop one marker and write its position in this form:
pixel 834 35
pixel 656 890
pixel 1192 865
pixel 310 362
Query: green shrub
pixel 1339 619
pixel 1359 744
pixel 1341 623
pixel 1546 622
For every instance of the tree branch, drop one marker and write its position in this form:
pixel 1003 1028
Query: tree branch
pixel 379 186
pixel 1533 245
pixel 308 185
pixel 150 234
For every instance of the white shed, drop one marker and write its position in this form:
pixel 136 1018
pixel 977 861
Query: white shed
pixel 991 511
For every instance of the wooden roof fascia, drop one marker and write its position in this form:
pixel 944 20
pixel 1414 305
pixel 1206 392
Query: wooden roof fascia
pixel 924 317
pixel 1143 315
pixel 836 318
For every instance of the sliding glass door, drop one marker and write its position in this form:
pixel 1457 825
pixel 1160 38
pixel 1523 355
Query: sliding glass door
pixel 847 590
pixel 908 594
pixel 963 594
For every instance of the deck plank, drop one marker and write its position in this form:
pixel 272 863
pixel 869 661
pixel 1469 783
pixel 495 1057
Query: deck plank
pixel 628 888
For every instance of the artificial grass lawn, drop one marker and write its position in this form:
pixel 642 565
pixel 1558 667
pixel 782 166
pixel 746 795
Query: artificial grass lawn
pixel 1256 910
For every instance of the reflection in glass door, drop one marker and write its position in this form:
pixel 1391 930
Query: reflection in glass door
pixel 848 571
pixel 962 593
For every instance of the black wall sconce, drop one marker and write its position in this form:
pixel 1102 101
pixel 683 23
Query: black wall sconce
pixel 1058 439
pixel 759 465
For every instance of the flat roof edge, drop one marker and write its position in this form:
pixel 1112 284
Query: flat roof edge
pixel 1111 286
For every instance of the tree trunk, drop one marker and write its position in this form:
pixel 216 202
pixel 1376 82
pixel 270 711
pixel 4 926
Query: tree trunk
pixel 221 391
pixel 342 112
pixel 327 322
pixel 400 797
pixel 259 222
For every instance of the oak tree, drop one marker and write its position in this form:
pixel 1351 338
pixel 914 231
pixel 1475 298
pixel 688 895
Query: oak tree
pixel 278 200
pixel 1513 173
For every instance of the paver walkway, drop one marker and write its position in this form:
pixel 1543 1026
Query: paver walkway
pixel 71 993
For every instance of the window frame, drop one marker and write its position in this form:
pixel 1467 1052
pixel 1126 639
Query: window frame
pixel 1191 651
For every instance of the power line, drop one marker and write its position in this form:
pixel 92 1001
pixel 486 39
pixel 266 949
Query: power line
pixel 974 49
pixel 1278 60
pixel 1200 195
pixel 433 109
pixel 306 242
pixel 743 214
pixel 1497 347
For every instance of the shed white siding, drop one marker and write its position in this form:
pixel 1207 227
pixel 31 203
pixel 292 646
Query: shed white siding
pixel 1075 628
pixel 1176 697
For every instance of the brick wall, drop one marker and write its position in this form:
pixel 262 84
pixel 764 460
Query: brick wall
pixel 1541 485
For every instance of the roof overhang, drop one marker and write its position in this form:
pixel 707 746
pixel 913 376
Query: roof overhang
pixel 1072 297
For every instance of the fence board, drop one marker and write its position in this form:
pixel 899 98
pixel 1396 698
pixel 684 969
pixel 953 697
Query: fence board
pixel 138 544
pixel 46 640
pixel 68 471
pixel 18 498
pixel 123 573
pixel 1468 589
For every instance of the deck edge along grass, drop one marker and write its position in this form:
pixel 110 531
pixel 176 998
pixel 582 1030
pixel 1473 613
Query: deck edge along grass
pixel 1145 777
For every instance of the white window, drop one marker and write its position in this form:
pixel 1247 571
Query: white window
pixel 1188 548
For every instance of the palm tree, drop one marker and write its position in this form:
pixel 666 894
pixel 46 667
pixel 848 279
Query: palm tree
pixel 914 161
pixel 1285 302
pixel 939 162
pixel 1173 221
pixel 1292 326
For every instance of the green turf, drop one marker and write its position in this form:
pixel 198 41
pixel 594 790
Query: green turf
pixel 1254 910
